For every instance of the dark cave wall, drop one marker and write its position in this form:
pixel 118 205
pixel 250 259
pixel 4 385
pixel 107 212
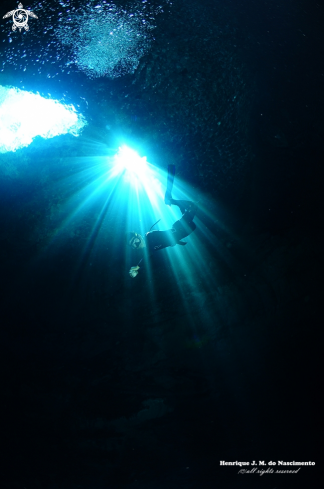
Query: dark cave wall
pixel 105 377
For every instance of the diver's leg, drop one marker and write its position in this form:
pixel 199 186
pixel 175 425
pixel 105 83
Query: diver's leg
pixel 185 225
pixel 187 208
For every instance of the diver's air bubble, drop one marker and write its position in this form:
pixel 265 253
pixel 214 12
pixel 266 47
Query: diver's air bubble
pixel 81 35
pixel 106 42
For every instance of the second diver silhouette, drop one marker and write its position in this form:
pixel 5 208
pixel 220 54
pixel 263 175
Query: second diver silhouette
pixel 155 241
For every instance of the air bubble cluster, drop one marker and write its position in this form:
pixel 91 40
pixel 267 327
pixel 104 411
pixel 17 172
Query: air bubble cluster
pixel 97 38
pixel 106 40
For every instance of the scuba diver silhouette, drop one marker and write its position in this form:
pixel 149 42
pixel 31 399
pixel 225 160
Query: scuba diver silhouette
pixel 157 240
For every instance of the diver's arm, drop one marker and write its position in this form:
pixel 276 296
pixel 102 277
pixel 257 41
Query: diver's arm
pixel 134 271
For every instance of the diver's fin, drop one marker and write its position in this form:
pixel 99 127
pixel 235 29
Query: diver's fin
pixel 168 193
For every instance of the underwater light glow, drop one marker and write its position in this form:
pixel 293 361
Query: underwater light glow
pixel 25 115
pixel 136 179
pixel 128 160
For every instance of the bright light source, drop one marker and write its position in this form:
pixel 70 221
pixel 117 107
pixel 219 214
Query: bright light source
pixel 25 115
pixel 128 160
pixel 134 173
